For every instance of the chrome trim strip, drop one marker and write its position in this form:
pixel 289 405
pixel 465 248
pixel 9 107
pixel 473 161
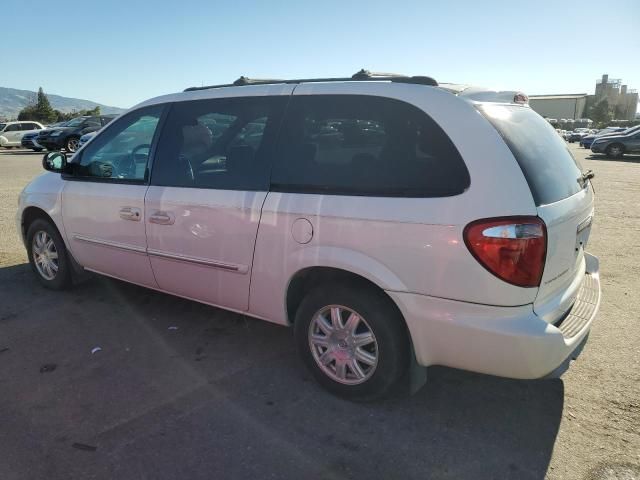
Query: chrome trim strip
pixel 107 243
pixel 232 267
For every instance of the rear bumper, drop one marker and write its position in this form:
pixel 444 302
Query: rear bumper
pixel 504 341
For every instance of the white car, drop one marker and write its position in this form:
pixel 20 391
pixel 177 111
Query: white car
pixel 395 223
pixel 11 133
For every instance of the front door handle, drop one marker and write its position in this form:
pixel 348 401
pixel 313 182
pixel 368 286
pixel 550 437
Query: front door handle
pixel 162 218
pixel 130 213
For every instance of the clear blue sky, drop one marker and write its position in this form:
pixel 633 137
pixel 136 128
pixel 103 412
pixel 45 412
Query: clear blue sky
pixel 120 52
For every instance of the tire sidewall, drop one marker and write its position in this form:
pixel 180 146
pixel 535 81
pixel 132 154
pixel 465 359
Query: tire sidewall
pixel 386 324
pixel 63 276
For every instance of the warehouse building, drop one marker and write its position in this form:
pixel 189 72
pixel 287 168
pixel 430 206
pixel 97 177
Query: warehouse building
pixel 570 106
pixel 622 102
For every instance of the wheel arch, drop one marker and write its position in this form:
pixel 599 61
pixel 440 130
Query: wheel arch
pixel 32 213
pixel 307 278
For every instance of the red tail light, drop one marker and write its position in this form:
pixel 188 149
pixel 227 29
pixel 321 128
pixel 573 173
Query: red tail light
pixel 512 248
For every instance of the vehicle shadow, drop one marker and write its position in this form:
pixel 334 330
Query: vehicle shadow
pixel 626 158
pixel 183 390
pixel 4 151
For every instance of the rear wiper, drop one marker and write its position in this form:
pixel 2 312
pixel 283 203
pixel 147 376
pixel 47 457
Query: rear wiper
pixel 588 175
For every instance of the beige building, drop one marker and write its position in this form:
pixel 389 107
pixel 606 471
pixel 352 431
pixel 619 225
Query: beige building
pixel 622 101
pixel 570 106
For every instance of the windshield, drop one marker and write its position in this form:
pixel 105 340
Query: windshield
pixel 74 122
pixel 630 130
pixel 548 165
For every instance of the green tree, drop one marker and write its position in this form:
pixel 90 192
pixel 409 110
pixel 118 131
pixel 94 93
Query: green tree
pixel 44 111
pixel 40 110
pixel 600 113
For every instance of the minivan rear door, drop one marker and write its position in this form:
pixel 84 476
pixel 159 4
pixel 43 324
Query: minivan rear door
pixel 563 197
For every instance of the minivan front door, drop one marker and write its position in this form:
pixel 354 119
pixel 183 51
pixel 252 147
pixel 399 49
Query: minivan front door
pixel 103 199
pixel 209 182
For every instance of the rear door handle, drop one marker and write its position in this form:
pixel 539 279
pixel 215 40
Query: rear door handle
pixel 130 213
pixel 162 218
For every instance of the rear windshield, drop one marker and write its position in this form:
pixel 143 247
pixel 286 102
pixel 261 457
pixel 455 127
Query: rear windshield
pixel 548 165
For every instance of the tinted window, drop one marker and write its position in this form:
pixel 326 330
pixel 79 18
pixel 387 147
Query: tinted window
pixel 548 165
pixel 365 145
pixel 122 151
pixel 92 122
pixel 13 127
pixel 224 143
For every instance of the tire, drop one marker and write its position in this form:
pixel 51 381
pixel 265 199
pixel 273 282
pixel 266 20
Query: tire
pixel 377 316
pixel 44 231
pixel 615 150
pixel 36 149
pixel 72 144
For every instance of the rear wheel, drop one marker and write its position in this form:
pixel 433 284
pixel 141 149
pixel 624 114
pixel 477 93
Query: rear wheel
pixel 615 151
pixel 48 255
pixel 353 340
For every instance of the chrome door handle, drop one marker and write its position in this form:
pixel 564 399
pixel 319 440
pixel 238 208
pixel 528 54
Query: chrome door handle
pixel 162 218
pixel 130 213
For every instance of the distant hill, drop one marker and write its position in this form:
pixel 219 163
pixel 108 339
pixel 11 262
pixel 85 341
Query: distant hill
pixel 13 100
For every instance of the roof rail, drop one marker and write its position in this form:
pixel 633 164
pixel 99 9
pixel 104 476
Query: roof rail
pixel 362 75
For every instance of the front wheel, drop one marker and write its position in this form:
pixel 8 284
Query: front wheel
pixel 72 144
pixel 353 340
pixel 48 255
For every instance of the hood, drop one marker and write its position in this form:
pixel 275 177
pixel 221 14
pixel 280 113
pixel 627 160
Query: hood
pixel 612 136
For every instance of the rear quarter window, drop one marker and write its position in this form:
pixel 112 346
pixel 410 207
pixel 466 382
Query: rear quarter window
pixel 552 172
pixel 365 145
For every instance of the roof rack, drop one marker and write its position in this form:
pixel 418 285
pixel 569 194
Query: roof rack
pixel 363 75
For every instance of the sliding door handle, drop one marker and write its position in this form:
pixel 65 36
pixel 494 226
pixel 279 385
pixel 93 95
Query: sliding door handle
pixel 162 218
pixel 130 213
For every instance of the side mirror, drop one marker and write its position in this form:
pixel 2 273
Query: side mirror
pixel 54 162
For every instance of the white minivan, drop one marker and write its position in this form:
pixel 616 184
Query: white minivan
pixel 394 222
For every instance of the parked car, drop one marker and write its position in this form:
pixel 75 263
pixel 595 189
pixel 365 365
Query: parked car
pixel 29 141
pixel 615 146
pixel 67 136
pixel 577 134
pixel 11 133
pixel 394 223
pixel 86 137
pixel 588 140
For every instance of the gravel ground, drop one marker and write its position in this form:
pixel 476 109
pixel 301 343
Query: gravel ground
pixel 222 396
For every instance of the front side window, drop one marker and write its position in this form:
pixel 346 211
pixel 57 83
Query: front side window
pixel 365 145
pixel 13 128
pixel 121 152
pixel 224 143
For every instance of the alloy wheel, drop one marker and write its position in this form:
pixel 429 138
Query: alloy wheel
pixel 45 255
pixel 343 345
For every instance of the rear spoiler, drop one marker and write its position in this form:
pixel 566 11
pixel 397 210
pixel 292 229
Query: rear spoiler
pixel 479 94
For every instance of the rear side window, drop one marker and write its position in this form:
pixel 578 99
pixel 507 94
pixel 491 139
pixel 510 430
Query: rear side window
pixel 549 167
pixel 223 143
pixel 365 145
